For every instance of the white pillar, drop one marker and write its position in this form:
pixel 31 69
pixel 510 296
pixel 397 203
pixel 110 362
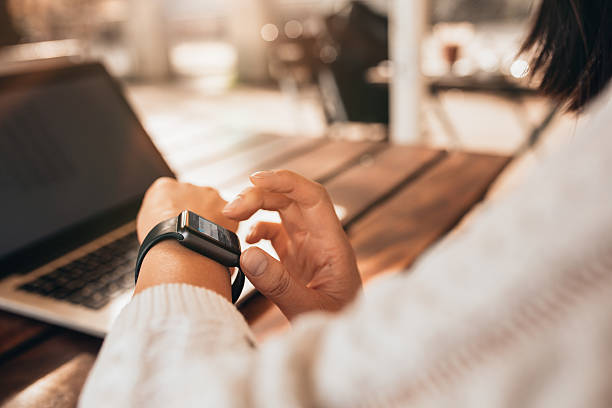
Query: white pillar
pixel 147 41
pixel 407 27
pixel 246 19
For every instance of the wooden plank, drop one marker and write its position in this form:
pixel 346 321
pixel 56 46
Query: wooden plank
pixel 330 159
pixel 265 155
pixel 355 190
pixel 178 135
pixel 388 238
pixel 29 366
pixel 263 317
pixel 372 181
pixel 58 389
pixel 395 234
pixel 320 164
pixel 189 156
pixel 15 331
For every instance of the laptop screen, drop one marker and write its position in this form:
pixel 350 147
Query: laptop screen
pixel 70 149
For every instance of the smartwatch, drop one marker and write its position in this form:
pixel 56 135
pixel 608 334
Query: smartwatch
pixel 199 235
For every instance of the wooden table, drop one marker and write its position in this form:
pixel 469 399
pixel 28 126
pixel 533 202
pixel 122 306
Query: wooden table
pixel 394 202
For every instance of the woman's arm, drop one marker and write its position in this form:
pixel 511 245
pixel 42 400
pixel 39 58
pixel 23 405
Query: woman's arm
pixel 317 268
pixel 168 261
pixel 516 310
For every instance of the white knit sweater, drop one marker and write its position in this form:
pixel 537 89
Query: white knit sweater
pixel 513 311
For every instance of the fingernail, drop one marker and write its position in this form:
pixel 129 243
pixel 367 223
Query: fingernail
pixel 232 205
pixel 262 174
pixel 255 262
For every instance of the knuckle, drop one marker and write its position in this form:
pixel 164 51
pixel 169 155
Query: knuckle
pixel 320 190
pixel 163 182
pixel 284 173
pixel 209 191
pixel 252 197
pixel 281 287
pixel 318 193
pixel 191 188
pixel 248 192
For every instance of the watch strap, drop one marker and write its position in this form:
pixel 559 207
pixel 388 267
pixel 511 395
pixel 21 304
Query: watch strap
pixel 162 231
pixel 237 285
pixel 168 230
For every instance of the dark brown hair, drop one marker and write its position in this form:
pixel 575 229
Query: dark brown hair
pixel 572 41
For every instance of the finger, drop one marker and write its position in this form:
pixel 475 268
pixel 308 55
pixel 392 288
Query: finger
pixel 273 232
pixel 274 282
pixel 304 191
pixel 264 230
pixel 252 199
pixel 316 211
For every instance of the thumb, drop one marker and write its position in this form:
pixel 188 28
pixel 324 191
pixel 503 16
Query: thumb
pixel 271 278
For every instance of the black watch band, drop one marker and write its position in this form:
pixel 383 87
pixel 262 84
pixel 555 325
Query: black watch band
pixel 168 229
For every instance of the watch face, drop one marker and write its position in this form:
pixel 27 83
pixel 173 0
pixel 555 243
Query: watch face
pixel 208 229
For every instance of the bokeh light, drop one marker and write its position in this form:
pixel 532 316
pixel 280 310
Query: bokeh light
pixel 293 29
pixel 519 69
pixel 328 54
pixel 269 32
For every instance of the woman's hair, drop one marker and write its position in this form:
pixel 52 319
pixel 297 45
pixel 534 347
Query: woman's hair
pixel 572 41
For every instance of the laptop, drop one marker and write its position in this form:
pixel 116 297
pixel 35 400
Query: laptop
pixel 75 163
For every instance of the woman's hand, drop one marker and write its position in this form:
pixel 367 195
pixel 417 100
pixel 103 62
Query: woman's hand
pixel 318 270
pixel 166 198
pixel 168 261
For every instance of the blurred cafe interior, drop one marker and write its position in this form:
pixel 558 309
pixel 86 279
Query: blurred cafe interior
pixel 371 98
pixel 302 68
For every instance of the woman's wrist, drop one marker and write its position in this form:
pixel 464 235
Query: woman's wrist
pixel 170 262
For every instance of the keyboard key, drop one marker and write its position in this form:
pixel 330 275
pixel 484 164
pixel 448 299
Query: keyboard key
pixel 60 293
pixel 94 279
pixel 32 287
pixel 96 301
pixel 127 282
pixel 111 289
pixel 75 284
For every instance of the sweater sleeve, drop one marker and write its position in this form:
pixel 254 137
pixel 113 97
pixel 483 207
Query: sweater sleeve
pixel 504 313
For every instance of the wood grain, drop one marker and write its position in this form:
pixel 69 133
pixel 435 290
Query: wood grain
pixel 16 331
pixel 394 234
pixel 320 164
pixel 58 389
pixel 391 237
pixel 371 181
pixel 354 190
pixel 29 366
pixel 264 318
pixel 265 155
pixel 191 156
pixel 330 159
pixel 397 201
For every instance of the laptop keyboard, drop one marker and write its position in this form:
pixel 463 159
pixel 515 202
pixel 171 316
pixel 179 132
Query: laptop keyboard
pixel 94 279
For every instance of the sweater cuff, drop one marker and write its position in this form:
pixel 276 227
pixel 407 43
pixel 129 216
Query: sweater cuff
pixel 180 300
